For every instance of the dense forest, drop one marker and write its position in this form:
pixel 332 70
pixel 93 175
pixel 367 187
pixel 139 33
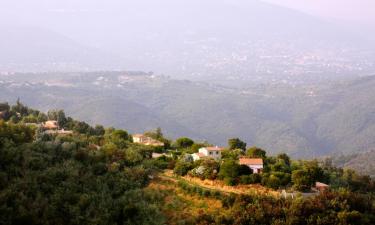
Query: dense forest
pixel 99 175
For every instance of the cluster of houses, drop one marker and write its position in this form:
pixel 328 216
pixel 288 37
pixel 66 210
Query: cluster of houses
pixel 255 164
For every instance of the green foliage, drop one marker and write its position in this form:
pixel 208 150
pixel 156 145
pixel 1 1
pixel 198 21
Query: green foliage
pixel 157 134
pixel 236 143
pixel 183 142
pixel 301 180
pixel 255 152
pixel 182 168
pixel 206 169
pixel 231 154
pixel 51 183
pixel 59 116
pixel 15 133
pixel 229 171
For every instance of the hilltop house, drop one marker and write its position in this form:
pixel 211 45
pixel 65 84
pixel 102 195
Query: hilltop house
pixel 51 125
pixel 59 132
pixel 144 140
pixel 255 164
pixel 210 152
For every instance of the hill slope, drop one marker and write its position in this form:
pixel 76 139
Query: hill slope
pixel 305 121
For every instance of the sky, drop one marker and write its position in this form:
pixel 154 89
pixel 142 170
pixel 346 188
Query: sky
pixel 356 11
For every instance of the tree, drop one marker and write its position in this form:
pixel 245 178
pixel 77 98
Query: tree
pixel 182 168
pixel 59 116
pixel 120 138
pixel 20 108
pixel 256 152
pixel 4 106
pixel 156 134
pixel 81 127
pixel 285 158
pixel 236 143
pixel 99 130
pixel 229 171
pixel 301 180
pixel 184 142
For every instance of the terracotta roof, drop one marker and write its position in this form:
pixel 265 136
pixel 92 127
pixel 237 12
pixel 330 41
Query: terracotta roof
pixel 51 124
pixel 319 184
pixel 138 135
pixel 216 148
pixel 251 161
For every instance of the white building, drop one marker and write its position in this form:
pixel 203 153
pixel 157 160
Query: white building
pixel 144 140
pixel 198 156
pixel 211 152
pixel 255 164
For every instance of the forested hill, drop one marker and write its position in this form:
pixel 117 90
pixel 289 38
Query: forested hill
pixel 97 175
pixel 303 120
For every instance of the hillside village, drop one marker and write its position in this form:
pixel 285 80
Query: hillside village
pixel 233 164
pixel 71 165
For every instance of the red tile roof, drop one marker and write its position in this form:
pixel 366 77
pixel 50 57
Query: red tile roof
pixel 251 161
pixel 216 148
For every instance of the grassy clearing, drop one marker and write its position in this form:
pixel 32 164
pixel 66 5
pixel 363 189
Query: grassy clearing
pixel 251 189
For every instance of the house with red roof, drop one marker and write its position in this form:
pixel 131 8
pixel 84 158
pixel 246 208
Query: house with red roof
pixel 255 164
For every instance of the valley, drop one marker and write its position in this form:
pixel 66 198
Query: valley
pixel 304 121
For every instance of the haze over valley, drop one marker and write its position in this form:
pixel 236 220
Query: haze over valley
pixel 227 42
pixel 283 79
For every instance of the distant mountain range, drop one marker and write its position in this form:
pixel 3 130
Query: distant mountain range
pixel 304 121
pixel 37 49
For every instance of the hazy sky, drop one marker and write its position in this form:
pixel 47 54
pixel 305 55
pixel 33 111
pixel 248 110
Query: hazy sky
pixel 362 11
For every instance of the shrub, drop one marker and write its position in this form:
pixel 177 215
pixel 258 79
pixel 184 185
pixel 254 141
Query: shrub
pixel 182 168
pixel 246 179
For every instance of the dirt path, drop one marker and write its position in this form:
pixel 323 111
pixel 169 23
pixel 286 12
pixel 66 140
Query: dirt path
pixel 220 186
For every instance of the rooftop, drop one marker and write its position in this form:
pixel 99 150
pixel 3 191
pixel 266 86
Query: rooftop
pixel 216 148
pixel 251 161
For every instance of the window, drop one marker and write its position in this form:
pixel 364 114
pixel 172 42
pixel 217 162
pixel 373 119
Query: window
pixel 210 153
pixel 217 153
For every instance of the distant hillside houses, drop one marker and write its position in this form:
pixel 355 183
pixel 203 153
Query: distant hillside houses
pixel 59 132
pixel 210 152
pixel 145 140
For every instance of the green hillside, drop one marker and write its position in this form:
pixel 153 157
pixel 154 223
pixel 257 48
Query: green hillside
pixel 304 121
pixel 98 175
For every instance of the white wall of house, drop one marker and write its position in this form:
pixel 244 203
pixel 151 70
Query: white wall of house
pixel 256 168
pixel 136 139
pixel 195 156
pixel 215 154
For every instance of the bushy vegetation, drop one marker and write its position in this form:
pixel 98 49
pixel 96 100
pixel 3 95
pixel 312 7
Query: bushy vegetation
pixel 49 179
pixel 279 172
pixel 337 207
pixel 98 176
